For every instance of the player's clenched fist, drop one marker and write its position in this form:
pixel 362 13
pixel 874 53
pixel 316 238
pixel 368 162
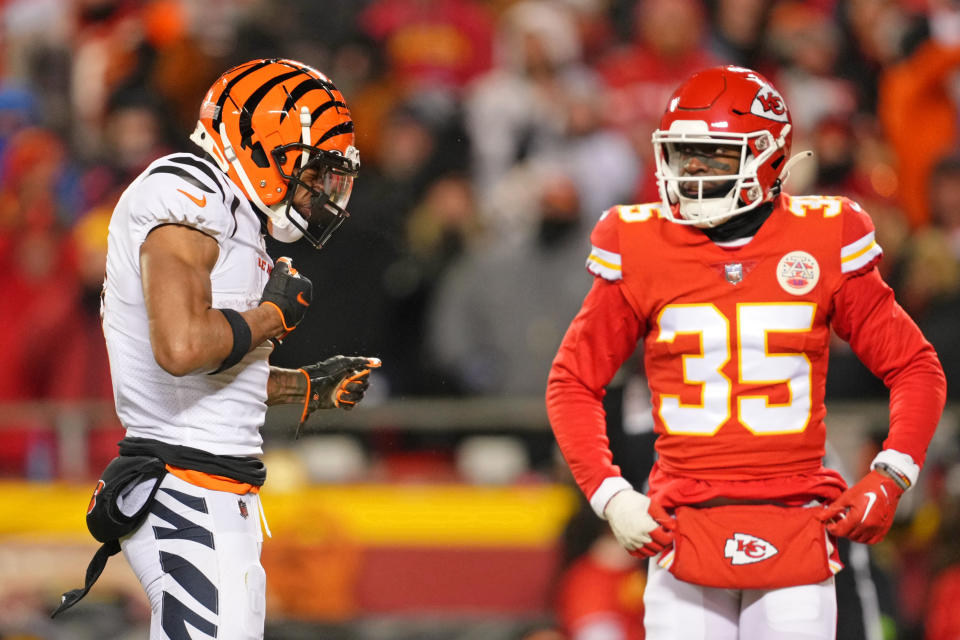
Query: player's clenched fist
pixel 864 512
pixel 290 292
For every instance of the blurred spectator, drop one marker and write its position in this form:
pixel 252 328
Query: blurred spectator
pixel 942 619
pixel 443 225
pixel 918 106
pixel 516 109
pixel 835 155
pixel 39 183
pixel 929 281
pixel 669 42
pixel 173 64
pixel 107 34
pixel 18 110
pixel 738 28
pixel 875 34
pixel 37 301
pixel 433 47
pixel 598 158
pixel 500 313
pixel 372 92
pixel 805 43
pixel 136 131
pixel 84 369
pixel 128 47
pixel 595 28
pixel 931 273
pixel 600 590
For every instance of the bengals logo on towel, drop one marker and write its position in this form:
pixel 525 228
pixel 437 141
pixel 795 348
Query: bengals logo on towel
pixel 93 498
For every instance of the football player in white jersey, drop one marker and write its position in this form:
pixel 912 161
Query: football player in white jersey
pixel 191 303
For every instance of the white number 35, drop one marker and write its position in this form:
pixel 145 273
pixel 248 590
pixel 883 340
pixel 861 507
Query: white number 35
pixel 756 365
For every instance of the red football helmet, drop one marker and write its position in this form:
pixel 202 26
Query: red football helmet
pixel 724 107
pixel 265 123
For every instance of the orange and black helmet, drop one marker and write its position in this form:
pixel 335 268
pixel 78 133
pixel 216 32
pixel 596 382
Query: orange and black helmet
pixel 265 122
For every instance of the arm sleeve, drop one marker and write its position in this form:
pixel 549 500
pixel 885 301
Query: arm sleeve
pixel 601 337
pixel 891 345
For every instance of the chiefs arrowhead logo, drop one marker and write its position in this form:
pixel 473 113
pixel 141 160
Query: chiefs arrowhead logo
pixel 769 104
pixel 744 548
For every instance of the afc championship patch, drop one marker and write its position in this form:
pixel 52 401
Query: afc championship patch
pixel 798 272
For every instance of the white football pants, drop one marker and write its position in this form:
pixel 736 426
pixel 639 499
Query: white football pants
pixel 197 555
pixel 676 610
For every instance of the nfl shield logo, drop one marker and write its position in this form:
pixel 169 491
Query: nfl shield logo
pixel 243 508
pixel 733 272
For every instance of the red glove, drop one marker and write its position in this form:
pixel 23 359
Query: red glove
pixel 864 512
pixel 661 537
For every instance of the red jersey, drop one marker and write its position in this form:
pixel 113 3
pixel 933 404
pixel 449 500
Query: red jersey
pixel 735 344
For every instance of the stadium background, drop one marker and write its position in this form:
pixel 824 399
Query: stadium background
pixel 492 135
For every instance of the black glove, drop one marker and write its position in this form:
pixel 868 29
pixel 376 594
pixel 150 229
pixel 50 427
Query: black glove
pixel 288 291
pixel 336 383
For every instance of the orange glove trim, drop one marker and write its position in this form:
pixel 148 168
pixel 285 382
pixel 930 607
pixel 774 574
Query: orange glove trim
pixel 283 321
pixel 306 399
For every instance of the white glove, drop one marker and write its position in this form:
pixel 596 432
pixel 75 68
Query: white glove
pixel 629 517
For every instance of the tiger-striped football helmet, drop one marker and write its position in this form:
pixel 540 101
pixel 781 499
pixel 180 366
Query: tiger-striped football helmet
pixel 269 122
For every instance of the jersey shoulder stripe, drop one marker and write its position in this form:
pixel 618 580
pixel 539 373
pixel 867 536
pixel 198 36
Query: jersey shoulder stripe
pixel 859 253
pixel 605 264
pixel 859 249
pixel 604 259
pixel 205 167
pixel 184 189
pixel 183 174
pixel 211 172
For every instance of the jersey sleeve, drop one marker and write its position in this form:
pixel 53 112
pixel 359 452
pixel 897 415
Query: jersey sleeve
pixel 890 345
pixel 860 251
pixel 179 198
pixel 601 337
pixel 604 259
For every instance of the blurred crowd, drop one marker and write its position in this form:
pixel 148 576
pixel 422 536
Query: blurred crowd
pixel 492 134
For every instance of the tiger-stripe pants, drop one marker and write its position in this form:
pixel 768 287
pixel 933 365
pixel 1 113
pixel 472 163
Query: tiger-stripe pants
pixel 197 555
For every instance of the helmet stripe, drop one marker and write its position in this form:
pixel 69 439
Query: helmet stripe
pixel 326 105
pixel 218 115
pixel 250 105
pixel 307 86
pixel 303 89
pixel 343 127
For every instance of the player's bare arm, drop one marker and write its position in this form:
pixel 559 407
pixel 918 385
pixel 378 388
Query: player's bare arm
pixel 286 386
pixel 187 334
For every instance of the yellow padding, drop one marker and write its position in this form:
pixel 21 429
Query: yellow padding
pixel 451 515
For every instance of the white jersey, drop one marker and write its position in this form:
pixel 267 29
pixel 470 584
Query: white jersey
pixel 221 414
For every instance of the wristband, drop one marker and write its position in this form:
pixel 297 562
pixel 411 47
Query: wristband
pixel 241 339
pixel 901 480
pixel 900 465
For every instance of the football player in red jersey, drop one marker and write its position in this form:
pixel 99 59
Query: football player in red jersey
pixel 733 287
